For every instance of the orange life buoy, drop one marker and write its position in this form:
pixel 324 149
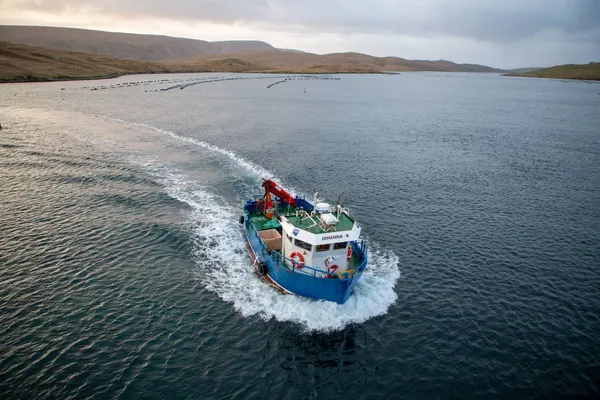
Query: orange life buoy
pixel 349 253
pixel 297 264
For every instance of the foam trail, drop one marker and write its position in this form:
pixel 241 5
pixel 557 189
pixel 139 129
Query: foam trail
pixel 248 165
pixel 224 266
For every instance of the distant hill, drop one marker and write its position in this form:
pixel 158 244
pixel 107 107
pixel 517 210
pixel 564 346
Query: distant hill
pixel 199 53
pixel 522 70
pixel 20 63
pixel 589 71
pixel 286 61
pixel 291 50
pixel 123 45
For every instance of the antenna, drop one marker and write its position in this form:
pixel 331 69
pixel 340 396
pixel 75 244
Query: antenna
pixel 338 204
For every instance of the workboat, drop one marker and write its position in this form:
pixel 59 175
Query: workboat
pixel 308 249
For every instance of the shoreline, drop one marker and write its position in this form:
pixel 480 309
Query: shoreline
pixel 579 72
pixel 62 78
pixel 573 78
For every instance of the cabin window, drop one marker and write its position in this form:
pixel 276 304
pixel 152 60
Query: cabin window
pixel 340 245
pixel 289 238
pixel 303 245
pixel 323 247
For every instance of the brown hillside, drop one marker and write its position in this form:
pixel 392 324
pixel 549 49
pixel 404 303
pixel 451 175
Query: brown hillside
pixel 589 71
pixel 123 45
pixel 25 63
pixel 286 61
pixel 21 63
pixel 199 54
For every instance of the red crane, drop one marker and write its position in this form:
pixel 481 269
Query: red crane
pixel 272 187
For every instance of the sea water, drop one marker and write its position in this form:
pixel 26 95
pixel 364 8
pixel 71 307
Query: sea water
pixel 124 272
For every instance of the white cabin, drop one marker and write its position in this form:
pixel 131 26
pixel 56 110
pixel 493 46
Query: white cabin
pixel 321 239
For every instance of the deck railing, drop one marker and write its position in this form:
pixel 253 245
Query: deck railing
pixel 281 260
pixel 358 247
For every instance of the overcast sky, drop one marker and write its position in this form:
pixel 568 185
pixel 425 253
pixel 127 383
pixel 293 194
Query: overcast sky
pixel 499 33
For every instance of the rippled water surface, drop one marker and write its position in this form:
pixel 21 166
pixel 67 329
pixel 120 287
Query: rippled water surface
pixel 123 270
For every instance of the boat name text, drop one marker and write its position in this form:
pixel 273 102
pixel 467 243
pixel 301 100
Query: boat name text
pixel 329 237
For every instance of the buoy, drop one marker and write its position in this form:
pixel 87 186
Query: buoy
pixel 297 263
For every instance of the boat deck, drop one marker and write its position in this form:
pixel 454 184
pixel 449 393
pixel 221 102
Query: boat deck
pixel 302 222
pixel 261 222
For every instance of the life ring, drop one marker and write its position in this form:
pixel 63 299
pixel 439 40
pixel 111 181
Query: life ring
pixel 297 264
pixel 331 270
pixel 349 253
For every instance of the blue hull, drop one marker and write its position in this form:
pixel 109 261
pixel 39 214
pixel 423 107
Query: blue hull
pixel 307 285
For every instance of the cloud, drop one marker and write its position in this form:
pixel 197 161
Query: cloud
pixel 490 20
pixel 473 29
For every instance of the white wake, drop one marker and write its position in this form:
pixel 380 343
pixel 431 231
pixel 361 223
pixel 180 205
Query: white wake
pixel 224 264
pixel 247 165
